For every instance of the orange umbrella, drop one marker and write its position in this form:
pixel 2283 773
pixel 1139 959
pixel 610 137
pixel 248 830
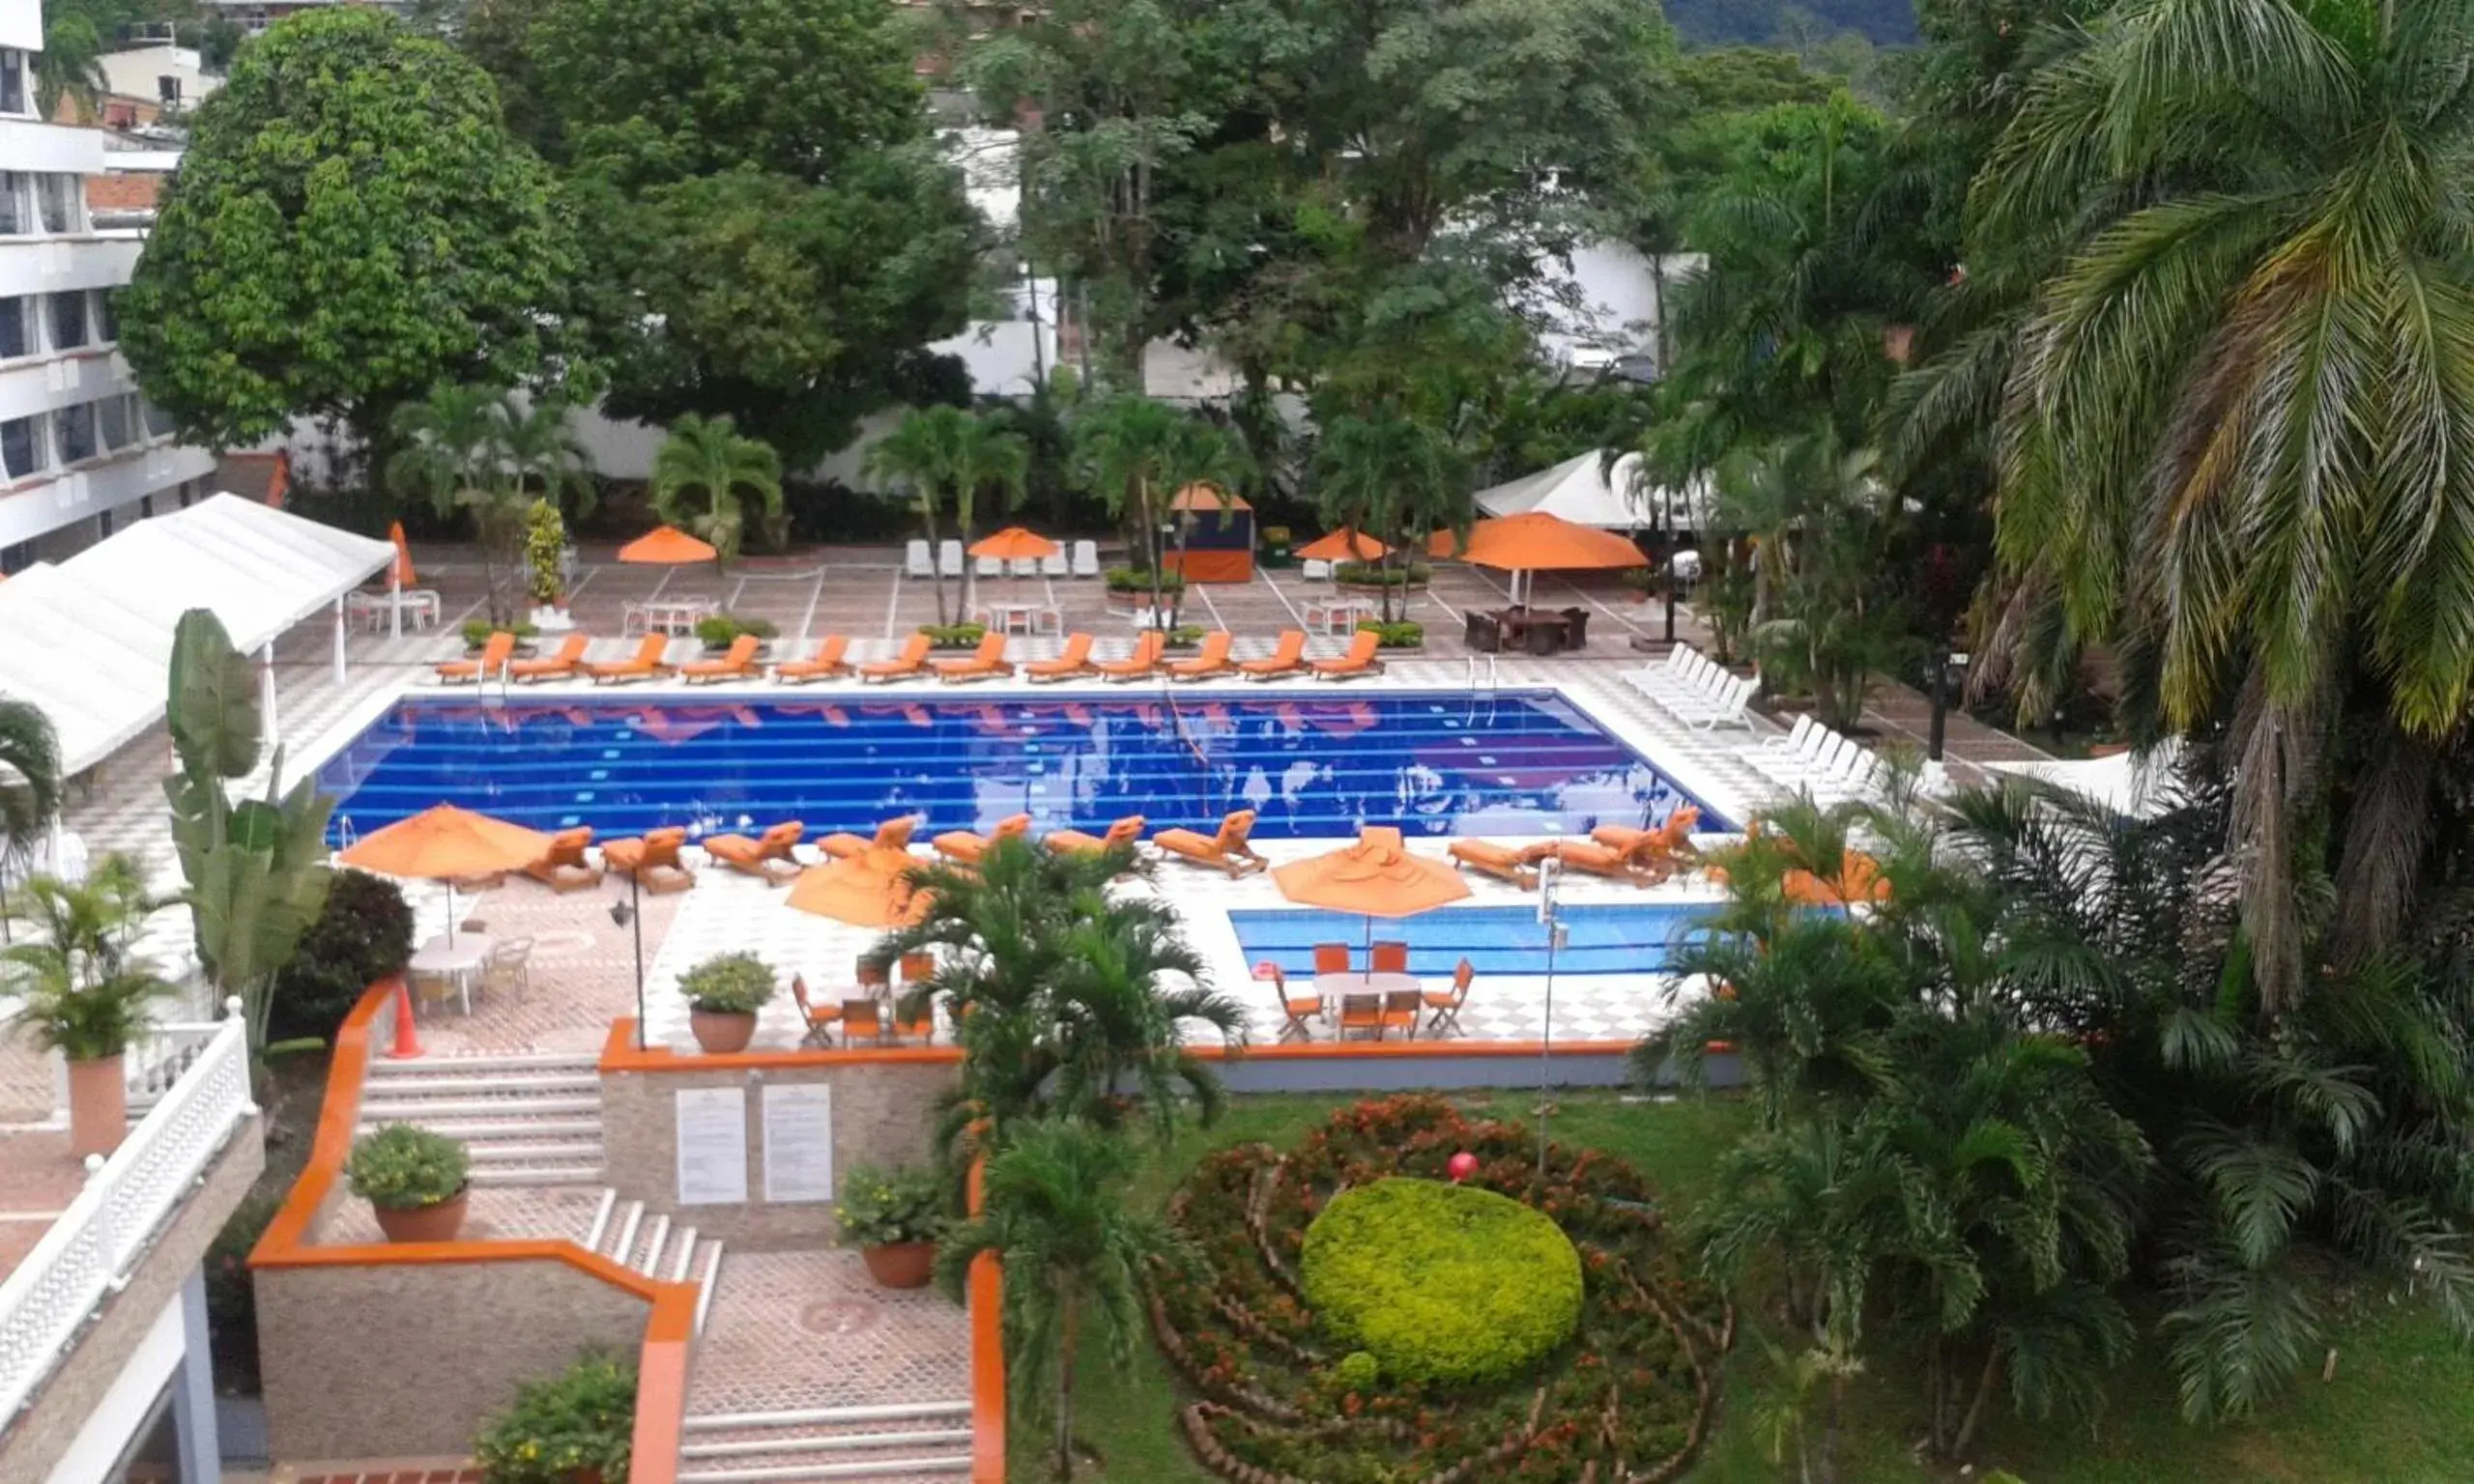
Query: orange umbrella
pixel 668 546
pixel 1533 541
pixel 446 844
pixel 1375 878
pixel 1341 546
pixel 1443 543
pixel 1015 543
pixel 403 571
pixel 867 890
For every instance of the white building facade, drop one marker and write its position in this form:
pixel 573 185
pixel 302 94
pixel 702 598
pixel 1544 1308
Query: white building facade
pixel 79 449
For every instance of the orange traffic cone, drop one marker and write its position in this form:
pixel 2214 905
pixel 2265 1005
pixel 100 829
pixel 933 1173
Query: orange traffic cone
pixel 407 1041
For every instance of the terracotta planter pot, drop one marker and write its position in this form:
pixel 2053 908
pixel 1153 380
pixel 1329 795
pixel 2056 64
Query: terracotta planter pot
pixel 900 1263
pixel 97 1106
pixel 721 1033
pixel 425 1223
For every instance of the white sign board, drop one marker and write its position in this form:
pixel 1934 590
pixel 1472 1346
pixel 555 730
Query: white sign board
pixel 712 1146
pixel 798 1141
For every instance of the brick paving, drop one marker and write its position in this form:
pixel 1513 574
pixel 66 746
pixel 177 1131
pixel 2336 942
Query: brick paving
pixel 807 1330
pixel 496 1213
pixel 38 1179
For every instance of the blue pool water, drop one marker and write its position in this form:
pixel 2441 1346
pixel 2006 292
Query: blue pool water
pixel 1513 763
pixel 1609 939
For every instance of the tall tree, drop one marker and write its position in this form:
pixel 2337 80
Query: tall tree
pixel 351 225
pixel 705 474
pixel 1136 454
pixel 944 454
pixel 453 447
pixel 1395 478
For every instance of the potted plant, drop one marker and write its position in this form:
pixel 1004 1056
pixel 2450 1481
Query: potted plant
pixel 724 993
pixel 80 994
pixel 578 1427
pixel 545 577
pixel 415 1181
pixel 894 1218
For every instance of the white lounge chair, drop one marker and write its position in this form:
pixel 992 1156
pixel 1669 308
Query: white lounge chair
pixel 989 567
pixel 949 557
pixel 1314 571
pixel 1086 559
pixel 915 559
pixel 1054 566
pixel 1024 566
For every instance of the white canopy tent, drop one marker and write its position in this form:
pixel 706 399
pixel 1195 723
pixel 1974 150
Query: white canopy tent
pixel 90 639
pixel 1584 492
pixel 2136 785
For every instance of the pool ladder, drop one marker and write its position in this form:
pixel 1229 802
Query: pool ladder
pixel 1483 674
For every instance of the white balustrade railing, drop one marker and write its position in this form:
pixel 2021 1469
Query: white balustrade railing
pixel 89 1250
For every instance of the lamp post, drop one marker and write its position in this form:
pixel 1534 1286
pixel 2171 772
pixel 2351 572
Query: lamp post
pixel 631 914
pixel 1549 873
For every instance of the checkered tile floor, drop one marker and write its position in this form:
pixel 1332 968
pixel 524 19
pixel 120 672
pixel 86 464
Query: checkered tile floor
pixel 810 1330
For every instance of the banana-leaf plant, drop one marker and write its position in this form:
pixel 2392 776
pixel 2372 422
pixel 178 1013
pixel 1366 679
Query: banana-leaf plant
pixel 257 868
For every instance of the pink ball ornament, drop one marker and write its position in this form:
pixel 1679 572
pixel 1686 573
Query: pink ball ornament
pixel 1463 1165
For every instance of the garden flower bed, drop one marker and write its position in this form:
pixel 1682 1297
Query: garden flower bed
pixel 1283 1401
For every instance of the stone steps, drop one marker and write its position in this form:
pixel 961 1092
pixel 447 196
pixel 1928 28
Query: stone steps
pixel 904 1445
pixel 529 1120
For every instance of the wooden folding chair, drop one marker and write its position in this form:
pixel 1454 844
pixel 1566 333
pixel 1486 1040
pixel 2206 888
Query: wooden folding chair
pixel 1331 958
pixel 918 968
pixel 1400 1009
pixel 1362 1014
pixel 862 1017
pixel 1296 1008
pixel 821 1018
pixel 1390 957
pixel 1443 1007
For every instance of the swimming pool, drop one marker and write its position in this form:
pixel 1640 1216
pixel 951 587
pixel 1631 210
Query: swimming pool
pixel 1598 939
pixel 1517 762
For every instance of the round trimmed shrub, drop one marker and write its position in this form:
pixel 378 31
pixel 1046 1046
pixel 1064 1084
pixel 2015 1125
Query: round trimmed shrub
pixel 364 933
pixel 1446 1284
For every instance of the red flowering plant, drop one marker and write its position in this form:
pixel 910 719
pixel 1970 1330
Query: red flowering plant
pixel 1627 1394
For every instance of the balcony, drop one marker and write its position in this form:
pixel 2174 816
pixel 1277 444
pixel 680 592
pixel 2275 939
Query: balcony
pixel 44 264
pixel 47 502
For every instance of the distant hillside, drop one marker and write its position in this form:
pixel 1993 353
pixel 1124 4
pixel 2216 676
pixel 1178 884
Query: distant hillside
pixel 1763 22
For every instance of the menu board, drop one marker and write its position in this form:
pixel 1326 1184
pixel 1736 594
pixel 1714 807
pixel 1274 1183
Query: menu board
pixel 712 1146
pixel 798 1141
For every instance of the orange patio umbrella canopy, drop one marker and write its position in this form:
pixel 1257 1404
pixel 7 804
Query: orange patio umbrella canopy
pixel 1376 877
pixel 667 546
pixel 445 842
pixel 401 573
pixel 1535 541
pixel 1015 543
pixel 869 890
pixel 1341 546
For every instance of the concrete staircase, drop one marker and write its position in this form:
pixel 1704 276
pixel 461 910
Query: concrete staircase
pixel 531 1119
pixel 922 1443
pixel 654 1245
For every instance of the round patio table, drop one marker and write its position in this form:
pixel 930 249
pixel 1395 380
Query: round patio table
pixel 459 964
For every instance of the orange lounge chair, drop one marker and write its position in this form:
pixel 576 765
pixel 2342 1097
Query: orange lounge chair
pixel 1672 838
pixel 562 666
pixel 1359 661
pixel 740 664
pixel 493 658
pixel 1226 850
pixel 767 856
pixel 964 847
pixel 1125 831
pixel 1139 665
pixel 653 861
pixel 1643 865
pixel 1287 657
pixel 1074 661
pixel 892 835
pixel 644 666
pixel 1211 660
pixel 563 868
pixel 986 662
pixel 827 663
pixel 912 661
pixel 1518 864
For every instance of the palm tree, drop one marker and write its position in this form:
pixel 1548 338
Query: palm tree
pixel 30 781
pixel 1136 454
pixel 1074 1250
pixel 453 446
pixel 704 462
pixel 1067 999
pixel 539 446
pixel 2230 444
pixel 945 452
pixel 1394 478
pixel 70 64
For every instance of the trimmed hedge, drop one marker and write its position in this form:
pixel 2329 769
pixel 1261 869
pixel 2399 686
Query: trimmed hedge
pixel 1440 1283
pixel 363 934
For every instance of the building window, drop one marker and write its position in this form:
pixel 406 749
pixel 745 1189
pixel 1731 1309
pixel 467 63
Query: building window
pixel 159 422
pixel 103 525
pixel 68 321
pixel 57 195
pixel 16 334
pixel 115 421
pixel 13 221
pixel 13 80
pixel 106 316
pixel 21 446
pixel 75 428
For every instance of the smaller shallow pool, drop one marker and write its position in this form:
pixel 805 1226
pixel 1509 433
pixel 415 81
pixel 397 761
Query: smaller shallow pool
pixel 1598 939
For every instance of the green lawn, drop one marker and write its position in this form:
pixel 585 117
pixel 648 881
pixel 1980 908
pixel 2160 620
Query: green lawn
pixel 2401 1409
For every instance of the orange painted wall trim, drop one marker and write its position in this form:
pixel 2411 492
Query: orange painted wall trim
pixel 1409 1050
pixel 661 1375
pixel 619 1053
pixel 987 1347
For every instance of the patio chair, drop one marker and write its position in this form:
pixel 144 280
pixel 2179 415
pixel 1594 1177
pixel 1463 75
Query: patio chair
pixel 565 664
pixel 1314 570
pixel 1444 1006
pixel 874 977
pixel 1287 657
pixel 919 1023
pixel 1211 660
pixel 1362 1014
pixel 916 561
pixel 827 663
pixel 1086 559
pixel 986 662
pixel 862 1017
pixel 738 664
pixel 1137 666
pixel 966 847
pixel 1074 661
pixel 911 660
pixel 1125 831
pixel 562 867
pixel 493 658
pixel 1516 864
pixel 653 861
pixel 988 566
pixel 508 970
pixel 949 557
pixel 917 969
pixel 1388 955
pixel 819 1019
pixel 1055 566
pixel 1226 850
pixel 1296 1010
pixel 1576 626
pixel 1481 632
pixel 1331 958
pixel 768 857
pixel 892 835
pixel 1359 661
pixel 1024 566
pixel 433 991
pixel 645 665
pixel 1400 1010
